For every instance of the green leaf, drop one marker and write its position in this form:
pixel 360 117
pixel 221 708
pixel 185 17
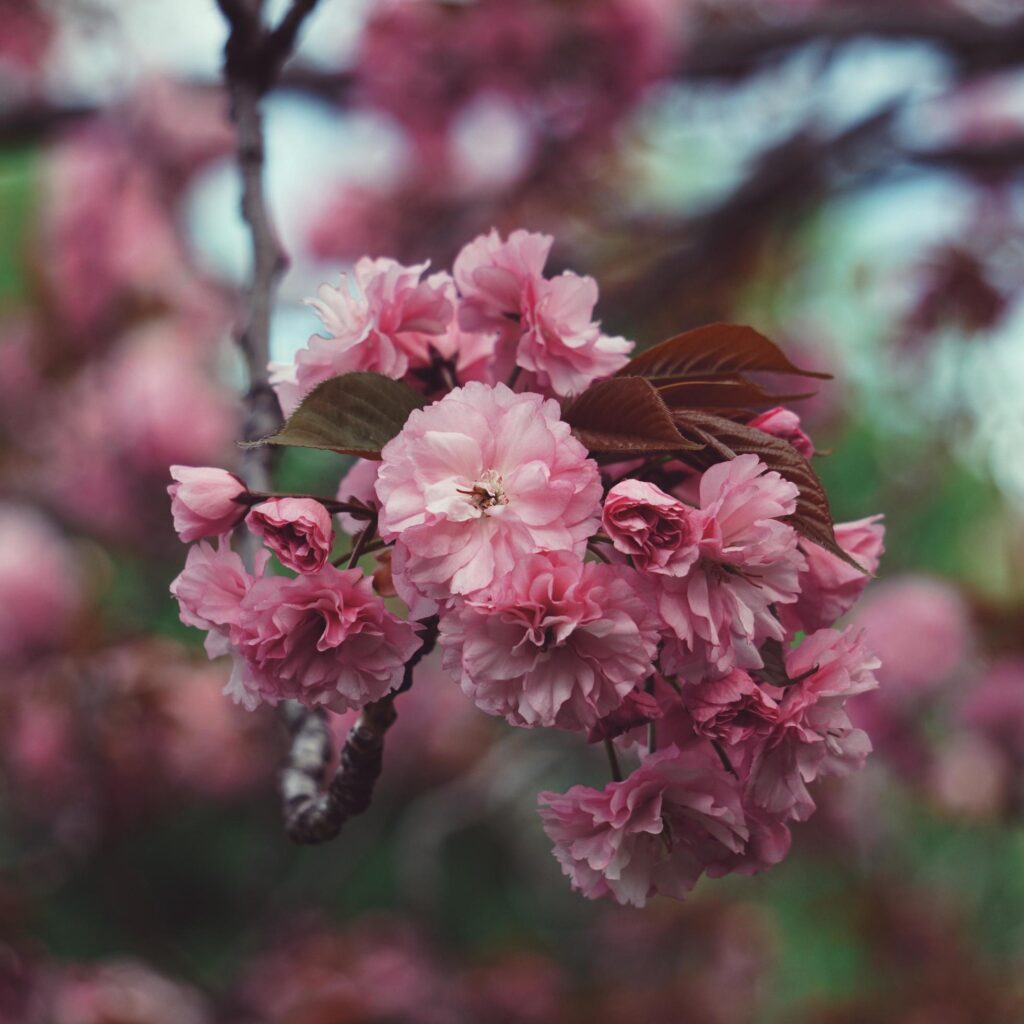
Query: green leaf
pixel 716 349
pixel 725 439
pixel 354 414
pixel 624 416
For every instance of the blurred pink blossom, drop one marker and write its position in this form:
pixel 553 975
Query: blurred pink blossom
pixel 40 584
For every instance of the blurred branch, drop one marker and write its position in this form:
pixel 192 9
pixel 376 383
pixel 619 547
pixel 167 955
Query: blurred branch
pixel 253 58
pixel 972 43
pixel 312 813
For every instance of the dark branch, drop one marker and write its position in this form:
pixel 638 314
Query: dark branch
pixel 312 813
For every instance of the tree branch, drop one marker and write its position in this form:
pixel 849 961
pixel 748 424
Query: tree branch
pixel 313 813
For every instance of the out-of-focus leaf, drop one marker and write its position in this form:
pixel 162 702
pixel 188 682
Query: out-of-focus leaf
pixel 716 349
pixel 624 416
pixel 724 439
pixel 354 414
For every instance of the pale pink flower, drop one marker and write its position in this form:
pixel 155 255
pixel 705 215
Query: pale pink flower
pixel 562 347
pixel 498 279
pixel 658 532
pixel 322 639
pixel 717 616
pixel 555 642
pixel 813 735
pixel 654 832
pixel 546 325
pixel 391 317
pixel 478 480
pixel 40 585
pixel 784 423
pixel 829 587
pixel 210 589
pixel 732 710
pixel 767 846
pixel 204 501
pixel 297 530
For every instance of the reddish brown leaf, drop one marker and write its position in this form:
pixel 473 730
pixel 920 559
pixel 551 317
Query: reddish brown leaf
pixel 724 439
pixel 732 394
pixel 624 416
pixel 713 349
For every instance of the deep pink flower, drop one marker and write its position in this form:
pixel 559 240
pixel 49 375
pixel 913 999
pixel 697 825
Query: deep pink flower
pixel 813 735
pixel 658 532
pixel 717 616
pixel 204 501
pixel 297 530
pixel 784 423
pixel 555 641
pixel 829 587
pixel 322 639
pixel 210 590
pixel 732 709
pixel 393 316
pixel 478 480
pixel 638 708
pixel 654 832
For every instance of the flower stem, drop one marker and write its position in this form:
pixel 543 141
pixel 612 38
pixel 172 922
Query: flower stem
pixel 613 760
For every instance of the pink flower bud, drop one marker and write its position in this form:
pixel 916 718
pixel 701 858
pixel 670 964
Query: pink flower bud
pixel 297 530
pixel 785 424
pixel 660 533
pixel 204 501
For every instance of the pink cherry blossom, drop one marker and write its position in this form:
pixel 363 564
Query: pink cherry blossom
pixel 210 590
pixel 813 735
pixel 659 533
pixel 562 347
pixel 654 832
pixel 829 587
pixel 784 423
pixel 478 480
pixel 391 316
pixel 498 279
pixel 555 642
pixel 721 611
pixel 732 710
pixel 297 530
pixel 545 325
pixel 204 501
pixel 323 639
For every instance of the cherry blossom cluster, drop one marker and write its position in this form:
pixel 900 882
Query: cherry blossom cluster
pixel 671 611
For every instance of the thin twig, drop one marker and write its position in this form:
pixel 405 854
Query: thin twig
pixel 613 760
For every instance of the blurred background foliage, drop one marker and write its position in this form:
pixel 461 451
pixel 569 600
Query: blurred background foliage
pixel 844 176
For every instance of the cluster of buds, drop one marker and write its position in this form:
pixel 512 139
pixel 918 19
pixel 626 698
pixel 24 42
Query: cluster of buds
pixel 619 547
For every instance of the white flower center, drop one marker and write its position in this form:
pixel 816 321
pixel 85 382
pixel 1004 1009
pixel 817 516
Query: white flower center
pixel 487 491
